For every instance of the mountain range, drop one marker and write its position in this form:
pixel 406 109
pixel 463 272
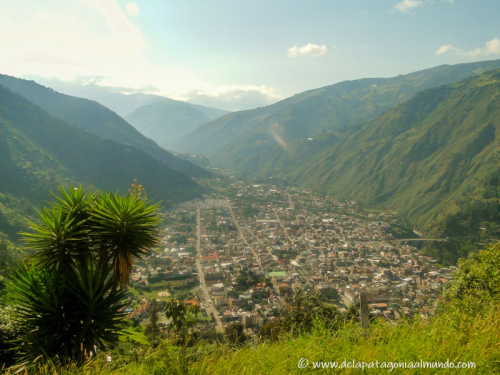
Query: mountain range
pixel 229 140
pixel 118 101
pixel 39 152
pixel 425 158
pixel 97 119
pixel 425 144
pixel 167 121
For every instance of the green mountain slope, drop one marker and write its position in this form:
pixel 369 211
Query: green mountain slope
pixel 167 121
pixel 122 104
pixel 425 158
pixel 38 152
pixel 97 119
pixel 230 139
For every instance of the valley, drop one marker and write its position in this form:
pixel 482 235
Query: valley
pixel 250 251
pixel 259 187
pixel 432 158
pixel 144 234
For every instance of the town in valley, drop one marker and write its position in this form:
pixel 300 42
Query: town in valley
pixel 245 249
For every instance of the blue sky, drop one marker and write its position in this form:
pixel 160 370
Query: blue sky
pixel 239 54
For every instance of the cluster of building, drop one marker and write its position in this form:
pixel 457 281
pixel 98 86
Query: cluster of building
pixel 263 245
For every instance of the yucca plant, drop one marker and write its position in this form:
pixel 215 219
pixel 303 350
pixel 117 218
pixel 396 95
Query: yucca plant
pixel 67 295
pixel 124 229
pixel 62 238
pixel 70 318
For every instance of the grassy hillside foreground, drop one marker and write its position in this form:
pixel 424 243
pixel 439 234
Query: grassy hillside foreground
pixel 466 330
pixel 449 337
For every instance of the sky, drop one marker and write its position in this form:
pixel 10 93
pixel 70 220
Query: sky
pixel 237 54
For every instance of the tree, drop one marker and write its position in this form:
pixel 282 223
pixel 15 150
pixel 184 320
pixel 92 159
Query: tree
pixel 151 330
pixel 9 331
pixel 270 331
pixel 183 318
pixel 330 293
pixel 6 263
pixel 9 256
pixel 476 283
pixel 235 333
pixel 352 314
pixel 4 255
pixel 138 190
pixel 307 309
pixel 68 296
pixel 247 279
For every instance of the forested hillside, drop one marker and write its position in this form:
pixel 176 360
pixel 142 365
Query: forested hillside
pixel 38 152
pixel 426 158
pixel 97 119
pixel 229 140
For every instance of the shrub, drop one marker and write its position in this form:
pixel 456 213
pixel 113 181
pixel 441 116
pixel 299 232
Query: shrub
pixel 306 310
pixel 9 331
pixel 476 284
pixel 68 295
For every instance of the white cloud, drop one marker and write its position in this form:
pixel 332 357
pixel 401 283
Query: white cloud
pixel 443 49
pixel 491 47
pixel 96 39
pixel 132 9
pixel 308 50
pixel 406 6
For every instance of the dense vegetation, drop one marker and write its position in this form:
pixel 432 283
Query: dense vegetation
pixel 38 152
pixel 477 221
pixel 97 119
pixel 228 141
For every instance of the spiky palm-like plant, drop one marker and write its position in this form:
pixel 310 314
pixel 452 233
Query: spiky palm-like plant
pixel 70 318
pixel 62 237
pixel 124 229
pixel 67 297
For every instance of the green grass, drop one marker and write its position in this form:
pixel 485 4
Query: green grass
pixel 451 336
pixel 178 283
pixel 133 291
pixel 204 318
pixel 133 335
pixel 147 295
